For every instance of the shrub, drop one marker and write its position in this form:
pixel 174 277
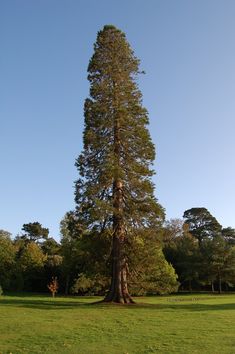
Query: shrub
pixel 94 285
pixel 53 286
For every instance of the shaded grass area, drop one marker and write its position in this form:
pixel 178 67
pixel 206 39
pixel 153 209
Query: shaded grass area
pixel 172 324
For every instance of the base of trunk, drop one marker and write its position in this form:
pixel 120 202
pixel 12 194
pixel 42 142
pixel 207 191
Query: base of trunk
pixel 118 292
pixel 117 299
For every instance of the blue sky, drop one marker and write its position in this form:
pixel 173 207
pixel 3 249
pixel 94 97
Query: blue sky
pixel 187 50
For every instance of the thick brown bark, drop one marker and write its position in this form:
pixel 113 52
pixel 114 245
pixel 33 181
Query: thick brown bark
pixel 118 291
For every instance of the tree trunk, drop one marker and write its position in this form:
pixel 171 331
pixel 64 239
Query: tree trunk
pixel 212 286
pixel 118 291
pixel 67 284
pixel 190 285
pixel 220 285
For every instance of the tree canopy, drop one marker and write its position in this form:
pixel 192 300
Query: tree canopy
pixel 34 231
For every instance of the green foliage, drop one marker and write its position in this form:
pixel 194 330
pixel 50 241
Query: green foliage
pixel 149 272
pixel 93 285
pixel 7 259
pixel 201 252
pixel 54 260
pixel 215 245
pixel 37 258
pixel 201 224
pixel 228 234
pixel 32 257
pixel 115 97
pixel 1 291
pixel 90 253
pixel 219 261
pixel 182 251
pixel 30 266
pixel 160 277
pixel 115 193
pixel 50 247
pixel 5 234
pixel 82 285
pixel 83 253
pixel 34 231
pixel 72 255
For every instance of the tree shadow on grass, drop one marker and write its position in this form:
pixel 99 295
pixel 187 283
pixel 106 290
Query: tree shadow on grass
pixel 191 306
pixel 59 304
pixel 188 307
pixel 42 304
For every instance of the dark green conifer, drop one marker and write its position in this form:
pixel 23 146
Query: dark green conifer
pixel 115 193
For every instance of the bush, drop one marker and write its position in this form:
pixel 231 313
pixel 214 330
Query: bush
pixel 1 291
pixel 158 277
pixel 85 285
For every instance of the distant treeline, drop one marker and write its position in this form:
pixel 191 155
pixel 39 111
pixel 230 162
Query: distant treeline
pixel 192 254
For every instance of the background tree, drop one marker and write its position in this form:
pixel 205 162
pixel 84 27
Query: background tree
pixel 228 233
pixel 182 251
pixel 34 232
pixel 7 259
pixel 218 262
pixel 172 229
pixel 114 193
pixel 50 246
pixel 31 263
pixel 215 247
pixel 70 234
pixel 52 251
pixel 85 255
pixel 201 224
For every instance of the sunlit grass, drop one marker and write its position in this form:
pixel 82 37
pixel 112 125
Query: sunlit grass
pixel 174 324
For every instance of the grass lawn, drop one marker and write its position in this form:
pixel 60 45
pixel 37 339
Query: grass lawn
pixel 173 324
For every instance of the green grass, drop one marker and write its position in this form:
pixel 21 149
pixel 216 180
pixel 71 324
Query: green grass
pixel 175 324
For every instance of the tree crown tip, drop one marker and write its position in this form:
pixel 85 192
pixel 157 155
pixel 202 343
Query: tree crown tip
pixel 110 27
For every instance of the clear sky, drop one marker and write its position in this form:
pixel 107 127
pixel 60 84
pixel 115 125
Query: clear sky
pixel 187 49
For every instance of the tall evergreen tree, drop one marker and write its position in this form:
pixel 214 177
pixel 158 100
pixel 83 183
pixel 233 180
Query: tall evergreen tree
pixel 201 224
pixel 115 193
